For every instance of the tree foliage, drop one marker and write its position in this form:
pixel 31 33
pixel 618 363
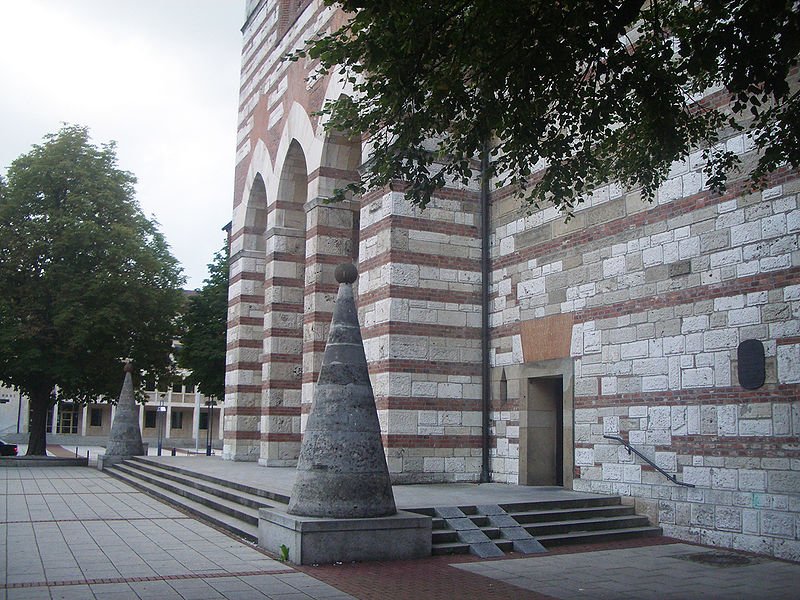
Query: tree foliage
pixel 205 325
pixel 86 279
pixel 596 90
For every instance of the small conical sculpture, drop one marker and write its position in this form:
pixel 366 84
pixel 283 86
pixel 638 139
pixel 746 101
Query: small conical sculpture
pixel 342 472
pixel 126 438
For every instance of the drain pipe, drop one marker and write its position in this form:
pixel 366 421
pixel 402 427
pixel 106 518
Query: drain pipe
pixel 486 389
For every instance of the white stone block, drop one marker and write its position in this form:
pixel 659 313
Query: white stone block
pixel 506 245
pixel 608 386
pixel 611 425
pixel 689 248
pixel 746 233
pixel 504 287
pixel 724 479
pixel 530 288
pixel 694 324
pixel 426 389
pixel 671 252
pixel 727 420
pixel 692 420
pixel 758 427
pixel 773 226
pixel 637 437
pixel 449 390
pixel 576 343
pixel 670 190
pixel 655 383
pixel 613 267
pixel 634 350
pixel 612 472
pixel 516 349
pixel 651 366
pixel 781 419
pixel 433 464
pixel 751 480
pixel 699 476
pixel 729 303
pixel 789 363
pixel 653 256
pixel 773 192
pixel 659 417
pixel 722 369
pixel 745 316
pixel 694 378
pixel 726 258
pixel 584 457
pixel 667 461
pixel 632 473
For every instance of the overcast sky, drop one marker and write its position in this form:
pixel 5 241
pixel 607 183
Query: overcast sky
pixel 160 77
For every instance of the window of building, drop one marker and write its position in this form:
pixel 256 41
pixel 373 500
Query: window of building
pixel 67 421
pixel 190 388
pixel 177 419
pixel 150 419
pixel 177 387
pixel 96 417
pixel 203 420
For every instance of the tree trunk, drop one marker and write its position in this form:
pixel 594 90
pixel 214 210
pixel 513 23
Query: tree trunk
pixel 40 404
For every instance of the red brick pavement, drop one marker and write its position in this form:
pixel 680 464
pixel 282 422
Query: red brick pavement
pixel 434 579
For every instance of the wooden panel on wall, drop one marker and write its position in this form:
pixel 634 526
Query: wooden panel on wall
pixel 547 338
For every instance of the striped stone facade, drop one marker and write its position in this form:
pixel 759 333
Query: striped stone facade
pixel 625 321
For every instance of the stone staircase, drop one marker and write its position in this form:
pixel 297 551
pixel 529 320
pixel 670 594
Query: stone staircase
pixel 551 523
pixel 486 530
pixel 229 505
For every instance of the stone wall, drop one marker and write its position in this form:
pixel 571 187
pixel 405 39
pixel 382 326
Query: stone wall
pixel 419 299
pixel 660 297
pixel 636 309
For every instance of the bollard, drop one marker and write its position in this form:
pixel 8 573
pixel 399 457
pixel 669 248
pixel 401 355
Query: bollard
pixel 76 452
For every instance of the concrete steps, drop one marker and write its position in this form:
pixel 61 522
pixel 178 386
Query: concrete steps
pixel 231 506
pixel 551 523
pixel 234 507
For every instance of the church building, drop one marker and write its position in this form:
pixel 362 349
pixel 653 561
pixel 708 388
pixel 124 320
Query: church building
pixel 518 348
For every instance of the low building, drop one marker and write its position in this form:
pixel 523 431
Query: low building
pixel 185 423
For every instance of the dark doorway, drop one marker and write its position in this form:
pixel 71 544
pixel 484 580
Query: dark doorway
pixel 545 431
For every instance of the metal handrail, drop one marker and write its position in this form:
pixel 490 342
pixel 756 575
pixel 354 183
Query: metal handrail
pixel 630 449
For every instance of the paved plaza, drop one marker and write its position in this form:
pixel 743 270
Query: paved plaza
pixel 74 532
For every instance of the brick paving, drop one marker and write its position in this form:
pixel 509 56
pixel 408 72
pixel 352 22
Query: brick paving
pixel 74 532
pixel 439 577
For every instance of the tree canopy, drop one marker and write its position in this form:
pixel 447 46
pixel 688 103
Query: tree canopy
pixel 205 325
pixel 596 90
pixel 87 280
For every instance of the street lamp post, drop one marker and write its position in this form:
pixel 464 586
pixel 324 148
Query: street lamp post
pixel 210 428
pixel 161 412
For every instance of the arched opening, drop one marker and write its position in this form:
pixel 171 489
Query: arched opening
pixel 284 289
pixel 341 160
pixel 255 220
pixel 293 190
pixel 245 330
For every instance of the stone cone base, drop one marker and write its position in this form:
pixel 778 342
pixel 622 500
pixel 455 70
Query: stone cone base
pixel 315 540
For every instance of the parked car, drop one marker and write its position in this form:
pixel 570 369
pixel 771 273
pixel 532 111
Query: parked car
pixel 7 449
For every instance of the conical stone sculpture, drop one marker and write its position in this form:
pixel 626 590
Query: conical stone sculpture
pixel 125 439
pixel 342 472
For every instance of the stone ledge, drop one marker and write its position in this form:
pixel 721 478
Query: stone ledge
pixel 42 461
pixel 314 540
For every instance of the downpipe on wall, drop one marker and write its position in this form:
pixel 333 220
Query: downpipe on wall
pixel 486 388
